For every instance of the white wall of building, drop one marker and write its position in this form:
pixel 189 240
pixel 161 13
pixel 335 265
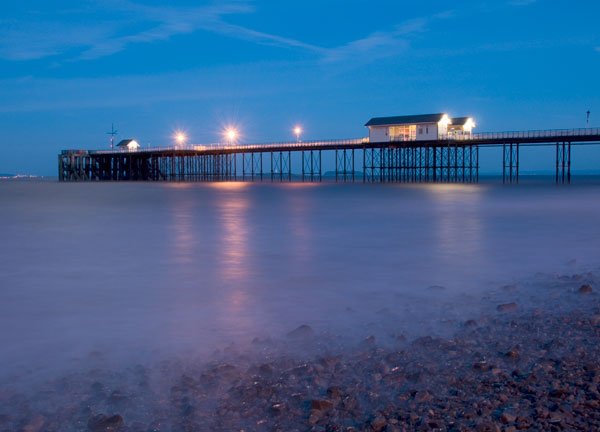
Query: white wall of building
pixel 427 131
pixel 378 134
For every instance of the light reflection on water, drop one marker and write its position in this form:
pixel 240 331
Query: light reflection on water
pixel 180 265
pixel 233 245
pixel 459 225
pixel 234 262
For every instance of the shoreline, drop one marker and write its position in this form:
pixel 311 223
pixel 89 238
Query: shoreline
pixel 509 369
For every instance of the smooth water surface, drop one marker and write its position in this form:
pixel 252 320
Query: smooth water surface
pixel 157 269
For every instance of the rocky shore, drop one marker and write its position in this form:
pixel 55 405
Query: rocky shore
pixel 511 368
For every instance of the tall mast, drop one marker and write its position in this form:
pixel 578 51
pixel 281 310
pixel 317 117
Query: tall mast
pixel 112 134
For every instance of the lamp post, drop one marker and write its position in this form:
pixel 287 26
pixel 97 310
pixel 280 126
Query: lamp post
pixel 180 138
pixel 231 135
pixel 587 119
pixel 297 132
pixel 112 134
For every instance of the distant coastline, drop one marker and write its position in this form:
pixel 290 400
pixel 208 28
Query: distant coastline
pixel 19 176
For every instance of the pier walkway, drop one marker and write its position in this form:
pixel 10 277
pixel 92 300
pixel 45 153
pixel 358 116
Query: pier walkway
pixel 453 159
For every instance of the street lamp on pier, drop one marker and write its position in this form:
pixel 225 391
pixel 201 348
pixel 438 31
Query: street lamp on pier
pixel 231 135
pixel 297 132
pixel 180 138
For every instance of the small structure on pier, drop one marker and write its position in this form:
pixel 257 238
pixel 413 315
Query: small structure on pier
pixel 424 127
pixel 461 126
pixel 128 145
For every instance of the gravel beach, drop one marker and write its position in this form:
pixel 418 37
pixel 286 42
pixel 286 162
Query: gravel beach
pixel 529 361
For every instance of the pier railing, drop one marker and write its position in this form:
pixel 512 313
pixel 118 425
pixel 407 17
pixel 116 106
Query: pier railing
pixel 550 134
pixel 247 147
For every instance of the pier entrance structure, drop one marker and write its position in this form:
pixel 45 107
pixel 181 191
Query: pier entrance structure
pixel 404 155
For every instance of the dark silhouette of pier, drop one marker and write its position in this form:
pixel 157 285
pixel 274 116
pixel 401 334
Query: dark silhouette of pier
pixel 452 160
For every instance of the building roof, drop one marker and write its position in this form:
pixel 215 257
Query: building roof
pixel 125 142
pixel 459 121
pixel 410 119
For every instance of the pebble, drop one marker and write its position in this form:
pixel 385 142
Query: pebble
pixel 321 404
pixel 302 331
pixel 507 307
pixel 585 289
pixel 505 372
pixel 508 418
pixel 35 425
pixel 104 423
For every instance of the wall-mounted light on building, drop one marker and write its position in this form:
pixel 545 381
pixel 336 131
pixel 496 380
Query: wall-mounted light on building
pixel 445 120
pixel 469 124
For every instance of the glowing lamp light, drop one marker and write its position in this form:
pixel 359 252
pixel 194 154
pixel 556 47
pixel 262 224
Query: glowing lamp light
pixel 180 137
pixel 297 132
pixel 231 134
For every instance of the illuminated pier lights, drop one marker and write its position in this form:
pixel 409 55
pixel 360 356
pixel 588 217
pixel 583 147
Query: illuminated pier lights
pixel 180 138
pixel 231 135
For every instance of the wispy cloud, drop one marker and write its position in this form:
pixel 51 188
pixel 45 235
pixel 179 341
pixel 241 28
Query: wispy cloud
pixel 381 44
pixel 138 23
pixel 31 41
pixel 164 22
pixel 130 23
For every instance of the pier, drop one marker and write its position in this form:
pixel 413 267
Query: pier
pixel 448 160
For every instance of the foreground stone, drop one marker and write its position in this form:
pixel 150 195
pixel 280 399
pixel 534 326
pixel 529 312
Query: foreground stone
pixel 536 370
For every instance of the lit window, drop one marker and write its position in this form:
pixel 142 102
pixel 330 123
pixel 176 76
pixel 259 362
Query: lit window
pixel 403 132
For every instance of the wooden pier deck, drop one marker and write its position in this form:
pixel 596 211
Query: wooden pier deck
pixel 444 160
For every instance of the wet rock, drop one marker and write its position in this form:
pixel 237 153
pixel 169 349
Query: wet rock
pixel 35 425
pixel 512 353
pixel 423 396
pixel 558 392
pixel 104 423
pixel 482 365
pixel 334 392
pixel 507 307
pixel 378 424
pixel 556 418
pixel 321 404
pixel 117 396
pixel 471 323
pixel 487 426
pixel 301 332
pixel 507 418
pixel 369 341
pixel 265 369
pixel 278 408
pixel 585 289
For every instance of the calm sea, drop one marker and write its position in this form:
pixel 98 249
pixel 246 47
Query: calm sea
pixel 136 270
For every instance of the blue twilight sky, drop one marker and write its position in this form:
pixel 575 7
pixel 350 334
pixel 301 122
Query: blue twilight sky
pixel 69 68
